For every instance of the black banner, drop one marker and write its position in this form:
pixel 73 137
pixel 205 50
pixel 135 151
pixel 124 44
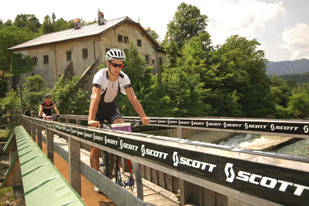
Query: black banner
pixel 282 185
pixel 283 127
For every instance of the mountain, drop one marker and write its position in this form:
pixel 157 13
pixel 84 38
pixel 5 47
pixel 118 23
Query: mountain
pixel 287 67
pixel 297 78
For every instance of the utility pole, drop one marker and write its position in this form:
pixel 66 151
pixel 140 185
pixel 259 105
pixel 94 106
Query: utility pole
pixel 21 99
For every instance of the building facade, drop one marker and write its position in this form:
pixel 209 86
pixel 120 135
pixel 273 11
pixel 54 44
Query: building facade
pixel 74 50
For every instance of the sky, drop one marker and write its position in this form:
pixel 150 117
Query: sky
pixel 280 26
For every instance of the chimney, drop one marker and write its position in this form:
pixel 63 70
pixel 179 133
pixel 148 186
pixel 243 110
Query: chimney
pixel 77 23
pixel 100 18
pixel 147 29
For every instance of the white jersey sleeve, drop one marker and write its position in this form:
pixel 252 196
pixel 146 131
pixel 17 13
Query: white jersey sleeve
pixel 124 82
pixel 99 79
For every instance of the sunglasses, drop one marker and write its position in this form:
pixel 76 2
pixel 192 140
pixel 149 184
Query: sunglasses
pixel 117 65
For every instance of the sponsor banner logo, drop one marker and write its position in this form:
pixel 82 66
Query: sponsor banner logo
pixel 87 135
pixel 109 141
pixel 162 121
pixel 131 120
pixel 188 162
pixel 263 181
pixel 80 133
pixel 128 146
pixel 232 125
pixel 280 128
pixel 64 128
pixel 73 131
pixel 153 121
pixel 153 153
pixel 255 126
pixel 96 137
pixel 198 123
pixel 306 129
pixel 185 122
pixel 213 124
pixel 172 122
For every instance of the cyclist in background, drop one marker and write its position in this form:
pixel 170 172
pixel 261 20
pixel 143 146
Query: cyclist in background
pixel 46 106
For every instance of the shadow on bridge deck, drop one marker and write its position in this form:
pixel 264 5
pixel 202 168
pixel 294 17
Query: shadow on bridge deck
pixel 89 196
pixel 153 195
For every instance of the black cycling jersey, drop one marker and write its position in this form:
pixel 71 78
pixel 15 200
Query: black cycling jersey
pixel 47 108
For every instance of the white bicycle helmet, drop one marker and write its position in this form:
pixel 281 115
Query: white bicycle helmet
pixel 115 54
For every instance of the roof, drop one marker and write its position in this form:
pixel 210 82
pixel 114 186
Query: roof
pixel 69 34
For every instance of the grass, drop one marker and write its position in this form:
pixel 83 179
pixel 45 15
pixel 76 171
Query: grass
pixel 4 134
pixel 6 194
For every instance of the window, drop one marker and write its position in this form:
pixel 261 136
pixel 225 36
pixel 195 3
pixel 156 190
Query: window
pixel 22 62
pixel 120 38
pixel 147 59
pixel 85 53
pixel 126 39
pixel 34 60
pixel 139 43
pixel 160 61
pixel 69 56
pixel 45 58
pixel 153 62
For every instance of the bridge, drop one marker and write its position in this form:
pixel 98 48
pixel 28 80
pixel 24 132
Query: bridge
pixel 198 173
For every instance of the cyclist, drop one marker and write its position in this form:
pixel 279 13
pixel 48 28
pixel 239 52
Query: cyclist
pixel 107 84
pixel 46 106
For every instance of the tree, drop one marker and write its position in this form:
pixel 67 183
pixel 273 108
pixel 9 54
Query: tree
pixel 53 17
pixel 27 21
pixel 8 23
pixel 11 101
pixel 140 77
pixel 299 102
pixel 69 99
pixel 61 24
pixel 241 70
pixel 172 53
pixel 47 26
pixel 154 35
pixel 187 23
pixel 33 92
pixel 9 37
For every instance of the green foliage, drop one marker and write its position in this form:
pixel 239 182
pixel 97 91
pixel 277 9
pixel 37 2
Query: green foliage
pixel 172 53
pixel 187 23
pixel 61 24
pixel 299 102
pixel 47 26
pixel 4 134
pixel 3 87
pixel 6 194
pixel 11 101
pixel 140 77
pixel 70 100
pixel 240 67
pixel 154 35
pixel 297 78
pixel 33 91
pixel 27 21
pixel 21 64
pixel 9 37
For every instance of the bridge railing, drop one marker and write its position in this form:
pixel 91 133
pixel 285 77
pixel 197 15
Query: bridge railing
pixel 282 127
pixel 204 171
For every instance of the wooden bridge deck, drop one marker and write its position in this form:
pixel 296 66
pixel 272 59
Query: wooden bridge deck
pixel 153 194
